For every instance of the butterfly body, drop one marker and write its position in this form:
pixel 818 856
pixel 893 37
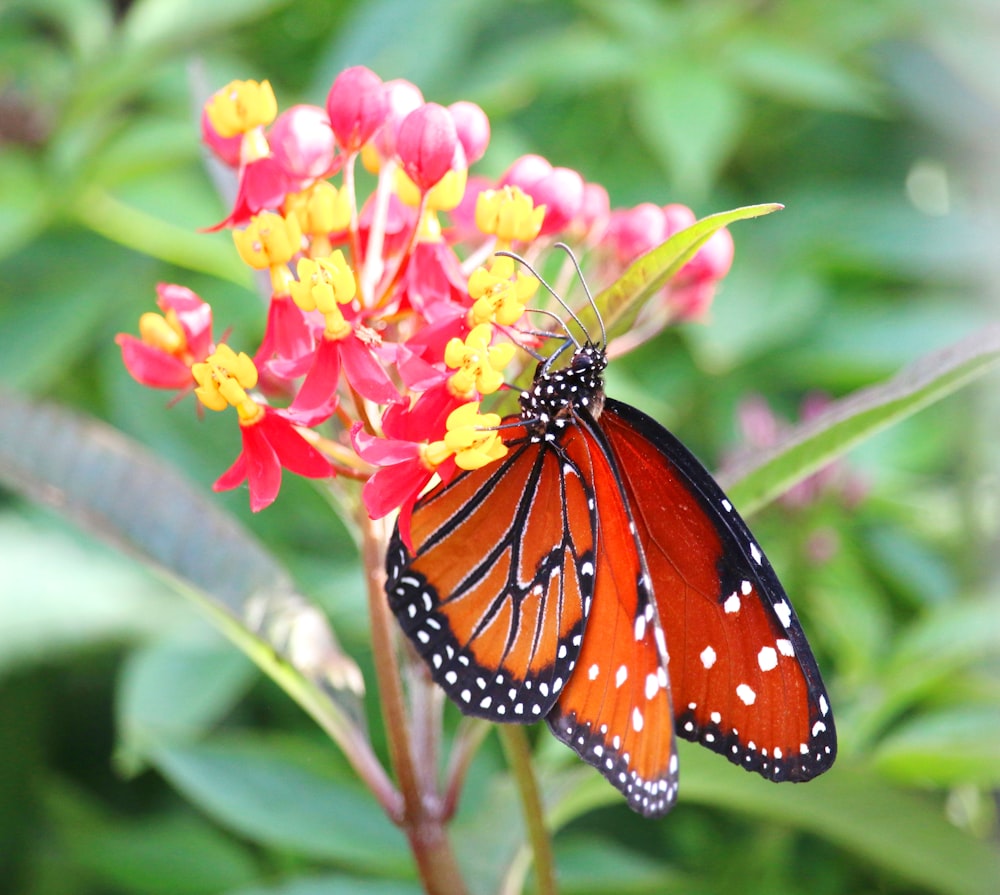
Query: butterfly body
pixel 598 577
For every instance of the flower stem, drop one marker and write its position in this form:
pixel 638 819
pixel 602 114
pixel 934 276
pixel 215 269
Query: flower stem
pixel 421 816
pixel 518 752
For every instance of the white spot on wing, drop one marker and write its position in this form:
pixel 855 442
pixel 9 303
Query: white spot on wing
pixel 732 604
pixel 767 658
pixel 785 647
pixel 621 676
pixel 755 553
pixel 637 719
pixel 746 694
pixel 652 685
pixel 707 657
pixel 593 671
pixel 784 612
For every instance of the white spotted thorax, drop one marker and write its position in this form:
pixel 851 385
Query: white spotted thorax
pixel 557 395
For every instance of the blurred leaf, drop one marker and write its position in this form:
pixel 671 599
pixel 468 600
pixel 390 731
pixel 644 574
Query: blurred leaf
pixel 60 594
pixel 945 748
pixel 761 477
pixel 155 25
pixel 271 794
pixel 591 865
pixel 853 809
pixel 23 210
pixel 174 690
pixel 114 487
pixel 167 854
pixel 334 884
pixel 691 116
pixel 797 73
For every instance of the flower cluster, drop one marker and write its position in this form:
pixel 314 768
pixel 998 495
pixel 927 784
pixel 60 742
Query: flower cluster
pixel 390 317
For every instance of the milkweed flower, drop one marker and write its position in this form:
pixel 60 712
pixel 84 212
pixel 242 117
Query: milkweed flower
pixel 393 330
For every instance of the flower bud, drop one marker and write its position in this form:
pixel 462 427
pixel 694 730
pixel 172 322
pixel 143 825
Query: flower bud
pixel 402 98
pixel 302 142
pixel 634 231
pixel 426 144
pixel 473 129
pixel 357 107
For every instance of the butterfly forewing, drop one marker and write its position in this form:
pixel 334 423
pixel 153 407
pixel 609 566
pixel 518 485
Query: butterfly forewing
pixel 744 681
pixel 616 711
pixel 494 595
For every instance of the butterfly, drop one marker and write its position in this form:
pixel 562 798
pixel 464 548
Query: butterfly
pixel 598 577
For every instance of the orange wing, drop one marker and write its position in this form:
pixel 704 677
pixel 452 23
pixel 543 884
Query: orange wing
pixel 495 595
pixel 744 681
pixel 616 710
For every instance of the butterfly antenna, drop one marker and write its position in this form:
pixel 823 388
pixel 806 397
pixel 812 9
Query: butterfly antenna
pixel 586 289
pixel 553 293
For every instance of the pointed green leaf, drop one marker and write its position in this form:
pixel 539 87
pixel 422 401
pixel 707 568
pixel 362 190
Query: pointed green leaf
pixel 278 794
pixel 760 478
pixel 898 832
pixel 621 302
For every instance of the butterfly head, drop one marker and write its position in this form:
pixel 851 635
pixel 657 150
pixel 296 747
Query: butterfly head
pixel 557 397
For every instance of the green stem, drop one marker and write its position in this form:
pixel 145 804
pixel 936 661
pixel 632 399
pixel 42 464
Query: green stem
pixel 518 752
pixel 114 220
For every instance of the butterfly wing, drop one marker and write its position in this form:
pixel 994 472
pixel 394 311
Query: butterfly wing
pixel 615 712
pixel 495 594
pixel 744 680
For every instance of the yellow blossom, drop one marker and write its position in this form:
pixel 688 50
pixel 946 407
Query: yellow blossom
pixel 321 209
pixel 497 297
pixel 323 285
pixel 269 241
pixel 241 106
pixel 509 214
pixel 163 331
pixel 474 437
pixel 223 379
pixel 478 363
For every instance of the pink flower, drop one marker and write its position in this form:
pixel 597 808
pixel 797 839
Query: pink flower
pixel 168 345
pixel 270 443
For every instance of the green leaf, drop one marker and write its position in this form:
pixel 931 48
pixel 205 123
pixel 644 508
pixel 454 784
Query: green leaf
pixel 760 478
pixel 140 854
pixel 333 884
pixel 153 25
pixel 174 691
pixel 279 796
pixel 946 748
pixel 621 302
pixel 691 117
pixel 113 487
pixel 853 809
pixel 87 597
pixel 589 865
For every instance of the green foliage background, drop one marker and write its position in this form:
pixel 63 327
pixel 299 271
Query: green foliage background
pixel 142 754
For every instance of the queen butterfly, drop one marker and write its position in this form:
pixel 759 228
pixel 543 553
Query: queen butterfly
pixel 599 578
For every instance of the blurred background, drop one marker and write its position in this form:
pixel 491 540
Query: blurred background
pixel 132 737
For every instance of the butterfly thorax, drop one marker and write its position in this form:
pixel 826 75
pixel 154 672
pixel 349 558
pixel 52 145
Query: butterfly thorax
pixel 557 397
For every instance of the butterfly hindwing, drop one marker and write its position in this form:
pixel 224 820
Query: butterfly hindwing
pixel 494 596
pixel 616 710
pixel 744 680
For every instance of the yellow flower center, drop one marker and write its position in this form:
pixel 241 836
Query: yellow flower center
pixel 241 106
pixel 223 379
pixel 478 363
pixel 509 214
pixel 497 297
